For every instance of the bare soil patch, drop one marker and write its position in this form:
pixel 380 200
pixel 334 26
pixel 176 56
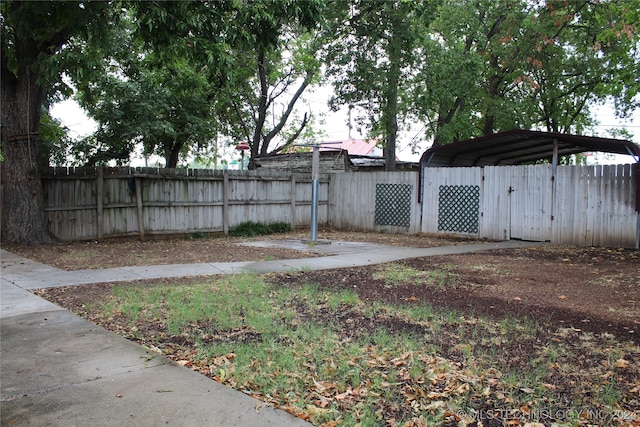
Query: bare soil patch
pixel 590 289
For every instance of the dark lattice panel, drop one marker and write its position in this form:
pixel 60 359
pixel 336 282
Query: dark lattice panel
pixel 459 208
pixel 393 204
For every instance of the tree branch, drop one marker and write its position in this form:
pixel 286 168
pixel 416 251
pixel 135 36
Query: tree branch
pixel 292 138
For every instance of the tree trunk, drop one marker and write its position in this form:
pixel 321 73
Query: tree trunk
pixel 23 217
pixel 391 110
pixel 257 146
pixel 172 157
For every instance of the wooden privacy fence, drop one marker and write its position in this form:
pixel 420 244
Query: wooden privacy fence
pixel 580 205
pixel 375 201
pixel 111 202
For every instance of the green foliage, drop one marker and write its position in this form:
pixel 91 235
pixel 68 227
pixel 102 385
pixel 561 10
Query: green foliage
pixel 176 78
pixel 369 59
pixel 252 229
pixel 182 74
pixel 276 59
pixel 161 102
pixel 45 37
pixel 54 141
pixel 495 65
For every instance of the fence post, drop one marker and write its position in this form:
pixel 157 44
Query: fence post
pixel 99 204
pixel 139 207
pixel 293 201
pixel 225 203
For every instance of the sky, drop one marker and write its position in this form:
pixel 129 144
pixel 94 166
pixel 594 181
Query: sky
pixel 336 129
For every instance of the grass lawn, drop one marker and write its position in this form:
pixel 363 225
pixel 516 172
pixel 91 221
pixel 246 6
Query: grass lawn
pixel 331 358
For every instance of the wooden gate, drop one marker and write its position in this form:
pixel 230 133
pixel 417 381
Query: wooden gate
pixel 521 200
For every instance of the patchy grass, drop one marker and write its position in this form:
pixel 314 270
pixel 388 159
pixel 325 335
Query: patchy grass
pixel 331 358
pixel 394 274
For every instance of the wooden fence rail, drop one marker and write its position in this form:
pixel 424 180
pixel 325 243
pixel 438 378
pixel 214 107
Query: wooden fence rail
pixel 110 202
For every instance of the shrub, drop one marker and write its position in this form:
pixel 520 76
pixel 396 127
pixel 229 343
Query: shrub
pixel 251 228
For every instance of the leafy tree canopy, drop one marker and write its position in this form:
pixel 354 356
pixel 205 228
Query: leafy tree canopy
pixel 495 65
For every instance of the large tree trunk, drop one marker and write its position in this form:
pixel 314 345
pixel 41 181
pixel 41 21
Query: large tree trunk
pixel 173 155
pixel 23 218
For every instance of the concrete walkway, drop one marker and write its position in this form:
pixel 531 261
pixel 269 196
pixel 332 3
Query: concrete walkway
pixel 57 369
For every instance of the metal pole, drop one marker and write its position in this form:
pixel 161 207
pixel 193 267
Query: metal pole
pixel 315 165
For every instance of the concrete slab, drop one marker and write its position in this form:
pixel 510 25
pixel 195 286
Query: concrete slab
pixel 165 395
pixel 174 270
pixel 52 349
pixel 15 301
pixel 328 247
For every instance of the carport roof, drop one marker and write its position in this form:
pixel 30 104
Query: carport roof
pixel 521 146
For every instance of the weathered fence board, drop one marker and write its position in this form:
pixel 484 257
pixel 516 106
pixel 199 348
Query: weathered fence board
pixel 111 202
pixel 581 205
pixel 595 206
pixel 375 201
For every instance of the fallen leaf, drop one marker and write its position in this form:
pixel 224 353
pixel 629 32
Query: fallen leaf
pixel 343 396
pixel 449 414
pixel 314 410
pixel 323 386
pixel 261 405
pixel 621 364
pixel 562 297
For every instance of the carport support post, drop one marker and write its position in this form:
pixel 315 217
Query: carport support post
pixel 315 165
pixel 554 159
pixel 637 172
pixel 554 173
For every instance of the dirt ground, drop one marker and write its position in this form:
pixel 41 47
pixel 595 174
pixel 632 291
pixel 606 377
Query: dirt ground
pixel 593 289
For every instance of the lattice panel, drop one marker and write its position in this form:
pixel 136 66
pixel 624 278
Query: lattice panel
pixel 393 204
pixel 459 208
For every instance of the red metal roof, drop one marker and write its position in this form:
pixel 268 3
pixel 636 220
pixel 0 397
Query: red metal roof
pixel 352 146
